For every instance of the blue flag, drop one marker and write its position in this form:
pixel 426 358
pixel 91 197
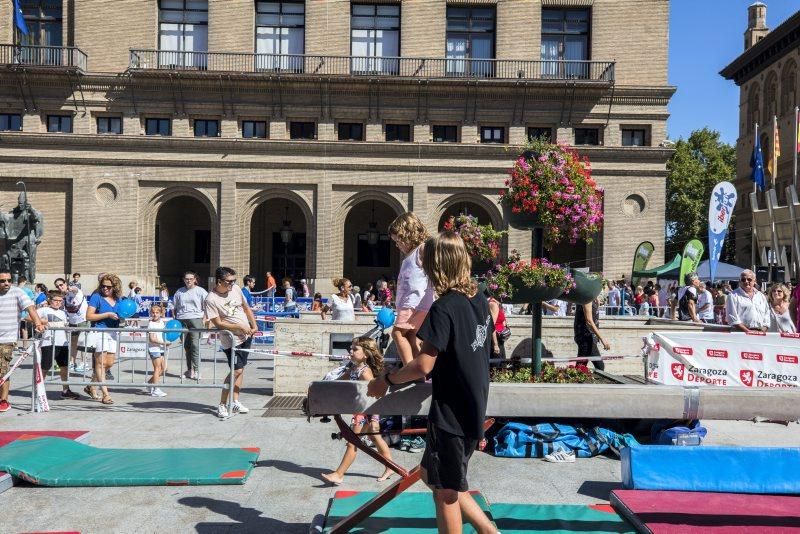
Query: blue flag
pixel 757 164
pixel 19 19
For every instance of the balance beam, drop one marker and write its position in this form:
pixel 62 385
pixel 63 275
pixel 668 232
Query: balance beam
pixel 599 401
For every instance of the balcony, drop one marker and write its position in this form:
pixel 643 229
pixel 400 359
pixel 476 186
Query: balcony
pixel 404 67
pixel 68 57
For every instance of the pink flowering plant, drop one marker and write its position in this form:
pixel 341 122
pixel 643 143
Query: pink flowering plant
pixel 482 240
pixel 555 183
pixel 534 273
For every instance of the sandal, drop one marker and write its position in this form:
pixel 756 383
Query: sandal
pixel 89 390
pixel 107 400
pixel 560 457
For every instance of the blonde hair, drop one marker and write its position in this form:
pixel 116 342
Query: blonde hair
pixel 156 305
pixel 780 286
pixel 447 264
pixel 339 282
pixel 409 230
pixel 373 352
pixel 115 281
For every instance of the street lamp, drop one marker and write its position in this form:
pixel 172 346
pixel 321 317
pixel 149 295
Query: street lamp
pixel 372 233
pixel 286 237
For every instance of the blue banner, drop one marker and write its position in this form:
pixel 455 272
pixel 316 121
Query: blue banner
pixel 19 19
pixel 723 199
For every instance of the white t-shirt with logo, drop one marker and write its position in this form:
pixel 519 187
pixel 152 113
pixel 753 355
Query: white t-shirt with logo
pixel 55 319
pixel 75 305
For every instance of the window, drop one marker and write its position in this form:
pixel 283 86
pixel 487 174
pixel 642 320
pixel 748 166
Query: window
pixel 302 130
pixel 109 125
pixel 10 122
pixel 158 127
pixel 470 41
pixel 254 129
pixel 398 132
pixel 59 123
pixel 565 38
pixel 537 132
pixel 374 36
pixel 493 134
pixel 587 136
pixel 206 128
pixel 445 134
pixel 634 137
pixel 377 255
pixel 351 131
pixel 280 36
pixel 43 19
pixel 183 33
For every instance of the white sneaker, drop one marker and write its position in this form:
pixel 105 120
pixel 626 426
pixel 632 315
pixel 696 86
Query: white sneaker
pixel 560 457
pixel 222 411
pixel 238 407
pixel 157 393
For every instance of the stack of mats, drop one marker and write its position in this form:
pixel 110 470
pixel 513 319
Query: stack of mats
pixel 8 436
pixel 61 462
pixel 415 512
pixel 710 489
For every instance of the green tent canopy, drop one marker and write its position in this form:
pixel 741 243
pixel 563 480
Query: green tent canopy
pixel 662 271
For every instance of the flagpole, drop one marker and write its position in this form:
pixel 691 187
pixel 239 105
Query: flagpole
pixel 753 217
pixel 796 145
pixel 776 149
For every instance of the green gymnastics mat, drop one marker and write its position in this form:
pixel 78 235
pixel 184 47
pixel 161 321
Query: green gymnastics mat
pixel 49 461
pixel 415 512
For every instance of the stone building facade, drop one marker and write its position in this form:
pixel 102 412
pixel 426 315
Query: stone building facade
pixel 157 136
pixel 768 75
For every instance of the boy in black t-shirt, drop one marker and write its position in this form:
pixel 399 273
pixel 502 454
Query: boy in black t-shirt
pixel 457 337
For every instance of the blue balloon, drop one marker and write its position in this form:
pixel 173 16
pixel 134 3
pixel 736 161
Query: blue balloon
pixel 127 308
pixel 173 325
pixel 385 318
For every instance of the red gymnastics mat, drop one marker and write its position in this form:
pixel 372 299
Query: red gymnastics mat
pixel 7 436
pixel 668 512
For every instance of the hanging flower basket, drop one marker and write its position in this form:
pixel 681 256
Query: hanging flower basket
pixel 521 281
pixel 587 287
pixel 551 186
pixel 482 240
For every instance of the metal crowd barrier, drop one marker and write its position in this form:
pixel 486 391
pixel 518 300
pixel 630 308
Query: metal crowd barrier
pixel 132 347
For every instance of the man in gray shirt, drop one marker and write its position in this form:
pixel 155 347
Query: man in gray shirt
pixel 189 301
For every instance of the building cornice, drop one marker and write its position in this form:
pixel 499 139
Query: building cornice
pixel 186 146
pixel 771 48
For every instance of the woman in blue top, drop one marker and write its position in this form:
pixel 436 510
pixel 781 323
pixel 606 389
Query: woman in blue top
pixel 102 312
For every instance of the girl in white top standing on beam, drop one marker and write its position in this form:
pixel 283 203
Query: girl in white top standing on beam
pixel 414 290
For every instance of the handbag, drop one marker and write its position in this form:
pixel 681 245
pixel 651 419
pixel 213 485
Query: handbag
pixel 504 334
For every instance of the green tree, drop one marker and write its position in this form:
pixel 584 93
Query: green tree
pixel 698 164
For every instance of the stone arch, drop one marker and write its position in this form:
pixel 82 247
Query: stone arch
pixel 788 87
pixel 753 107
pixel 466 197
pixel 150 214
pixel 248 210
pixel 770 107
pixel 347 229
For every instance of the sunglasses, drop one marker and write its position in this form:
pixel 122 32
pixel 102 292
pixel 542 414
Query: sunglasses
pixel 229 282
pixel 5 280
pixel 107 287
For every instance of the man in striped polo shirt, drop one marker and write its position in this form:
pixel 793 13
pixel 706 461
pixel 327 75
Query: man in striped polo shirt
pixel 12 302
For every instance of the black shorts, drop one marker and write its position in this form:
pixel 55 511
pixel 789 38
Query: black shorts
pixel 446 459
pixel 241 356
pixel 61 354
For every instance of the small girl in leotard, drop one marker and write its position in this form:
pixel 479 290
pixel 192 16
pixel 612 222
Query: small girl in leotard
pixel 366 363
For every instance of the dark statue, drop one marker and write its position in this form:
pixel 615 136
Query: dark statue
pixel 21 230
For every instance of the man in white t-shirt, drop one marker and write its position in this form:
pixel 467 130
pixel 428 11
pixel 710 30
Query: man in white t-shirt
pixel 705 304
pixel 189 302
pixel 13 301
pixel 747 308
pixel 227 309
pixel 75 305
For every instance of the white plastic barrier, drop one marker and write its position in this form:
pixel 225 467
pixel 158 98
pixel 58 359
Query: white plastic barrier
pixel 724 359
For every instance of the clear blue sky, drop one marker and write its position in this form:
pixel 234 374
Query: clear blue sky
pixel 706 35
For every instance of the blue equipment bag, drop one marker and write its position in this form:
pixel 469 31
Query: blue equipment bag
pixel 675 433
pixel 516 440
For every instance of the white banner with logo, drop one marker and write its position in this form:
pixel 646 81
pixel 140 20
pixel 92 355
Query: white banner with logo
pixel 724 359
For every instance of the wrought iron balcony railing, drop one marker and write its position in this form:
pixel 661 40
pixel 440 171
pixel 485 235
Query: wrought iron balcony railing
pixel 408 67
pixel 43 56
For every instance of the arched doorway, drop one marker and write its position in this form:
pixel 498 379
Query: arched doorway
pixel 182 240
pixel 369 253
pixel 278 241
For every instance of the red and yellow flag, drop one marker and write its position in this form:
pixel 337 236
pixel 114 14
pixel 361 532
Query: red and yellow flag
pixel 772 164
